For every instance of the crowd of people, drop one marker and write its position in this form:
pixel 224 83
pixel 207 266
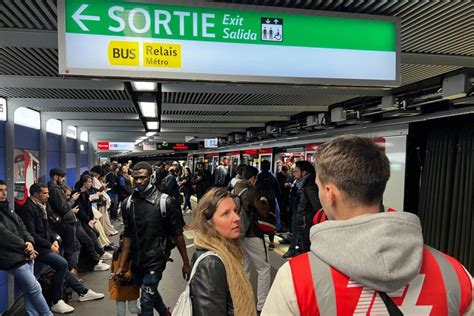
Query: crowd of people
pixel 353 251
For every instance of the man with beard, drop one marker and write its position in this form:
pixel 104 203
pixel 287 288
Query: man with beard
pixel 64 220
pixel 150 219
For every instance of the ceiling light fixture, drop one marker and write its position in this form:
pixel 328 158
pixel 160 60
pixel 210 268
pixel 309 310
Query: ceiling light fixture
pixel 152 125
pixel 148 109
pixel 144 86
pixel 149 134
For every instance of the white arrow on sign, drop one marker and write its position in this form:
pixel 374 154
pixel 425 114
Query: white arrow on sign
pixel 77 17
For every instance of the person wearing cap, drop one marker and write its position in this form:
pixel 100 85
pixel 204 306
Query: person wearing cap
pixel 363 261
pixel 63 215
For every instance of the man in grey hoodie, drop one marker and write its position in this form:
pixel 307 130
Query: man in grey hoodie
pixel 363 261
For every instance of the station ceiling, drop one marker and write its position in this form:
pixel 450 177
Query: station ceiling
pixel 437 37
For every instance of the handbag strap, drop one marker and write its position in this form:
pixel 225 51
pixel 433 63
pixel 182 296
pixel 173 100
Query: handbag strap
pixel 392 308
pixel 201 257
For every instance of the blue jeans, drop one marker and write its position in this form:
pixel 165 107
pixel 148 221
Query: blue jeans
pixel 150 297
pixel 75 285
pixel 59 265
pixel 35 304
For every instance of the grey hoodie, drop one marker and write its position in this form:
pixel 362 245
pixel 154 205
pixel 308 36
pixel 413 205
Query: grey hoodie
pixel 382 251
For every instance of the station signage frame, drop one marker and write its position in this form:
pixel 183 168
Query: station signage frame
pixel 115 146
pixel 227 43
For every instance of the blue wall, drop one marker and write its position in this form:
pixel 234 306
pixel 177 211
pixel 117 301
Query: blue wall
pixel 53 158
pixel 3 291
pixel 2 150
pixel 71 162
pixel 3 274
pixel 27 138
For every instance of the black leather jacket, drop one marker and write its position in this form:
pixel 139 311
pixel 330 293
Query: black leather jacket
pixel 147 230
pixel 309 204
pixel 209 290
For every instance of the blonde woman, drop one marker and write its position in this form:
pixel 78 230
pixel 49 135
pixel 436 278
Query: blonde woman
pixel 220 285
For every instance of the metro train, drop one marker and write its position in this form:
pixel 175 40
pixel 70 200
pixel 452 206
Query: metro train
pixel 288 151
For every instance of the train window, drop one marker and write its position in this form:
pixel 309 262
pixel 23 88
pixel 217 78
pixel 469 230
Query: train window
pixel 54 126
pixel 71 132
pixel 27 117
pixel 84 136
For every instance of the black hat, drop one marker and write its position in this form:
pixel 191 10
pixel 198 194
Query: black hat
pixel 57 172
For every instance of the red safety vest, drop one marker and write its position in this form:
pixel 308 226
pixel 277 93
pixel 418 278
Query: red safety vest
pixel 442 287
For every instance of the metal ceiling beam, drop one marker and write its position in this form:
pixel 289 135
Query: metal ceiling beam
pixel 271 109
pixel 87 123
pixel 211 125
pixel 60 83
pixel 102 117
pixel 114 128
pixel 161 135
pixel 434 59
pixel 52 103
pixel 272 89
pixel 196 131
pixel 28 38
pixel 223 118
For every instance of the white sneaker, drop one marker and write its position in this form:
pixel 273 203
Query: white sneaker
pixel 90 296
pixel 101 266
pixel 62 308
pixel 106 256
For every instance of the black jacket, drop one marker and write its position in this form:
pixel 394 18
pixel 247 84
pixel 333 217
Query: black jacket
pixel 209 290
pixel 37 226
pixel 202 179
pixel 59 205
pixel 13 236
pixel 85 213
pixel 148 230
pixel 186 186
pixel 309 204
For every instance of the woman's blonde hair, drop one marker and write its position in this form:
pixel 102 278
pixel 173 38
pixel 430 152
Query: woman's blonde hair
pixel 207 207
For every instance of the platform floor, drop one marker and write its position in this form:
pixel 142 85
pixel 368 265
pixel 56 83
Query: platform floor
pixel 171 286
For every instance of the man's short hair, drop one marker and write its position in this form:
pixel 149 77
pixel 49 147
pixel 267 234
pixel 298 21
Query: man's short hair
pixel 143 165
pixel 57 172
pixel 3 183
pixel 37 188
pixel 284 168
pixel 249 172
pixel 357 166
pixel 265 165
